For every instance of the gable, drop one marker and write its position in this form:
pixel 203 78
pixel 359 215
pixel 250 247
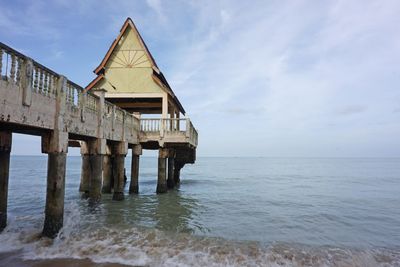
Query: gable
pixel 129 53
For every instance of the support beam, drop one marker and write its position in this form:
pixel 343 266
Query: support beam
pixel 164 106
pixel 134 185
pixel 118 173
pixel 107 174
pixel 171 166
pixel 119 150
pixel 5 150
pixel 54 212
pixel 55 144
pixel 96 175
pixel 162 167
pixel 177 172
pixel 85 175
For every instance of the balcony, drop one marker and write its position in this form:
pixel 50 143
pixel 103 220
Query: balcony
pixel 168 131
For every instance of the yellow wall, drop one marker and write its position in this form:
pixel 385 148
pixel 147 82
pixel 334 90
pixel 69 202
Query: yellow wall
pixel 129 69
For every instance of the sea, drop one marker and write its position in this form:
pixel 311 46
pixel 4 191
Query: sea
pixel 226 212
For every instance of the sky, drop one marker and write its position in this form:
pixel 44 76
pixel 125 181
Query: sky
pixel 257 78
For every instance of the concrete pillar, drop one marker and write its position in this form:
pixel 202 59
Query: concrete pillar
pixel 85 175
pixel 162 167
pixel 171 166
pixel 119 150
pixel 54 211
pixel 5 150
pixel 55 144
pixel 96 175
pixel 134 185
pixel 177 172
pixel 118 173
pixel 107 174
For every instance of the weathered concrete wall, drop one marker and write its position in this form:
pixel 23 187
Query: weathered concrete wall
pixel 41 112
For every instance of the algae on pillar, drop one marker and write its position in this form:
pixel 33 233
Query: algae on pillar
pixel 134 185
pixel 162 168
pixel 5 150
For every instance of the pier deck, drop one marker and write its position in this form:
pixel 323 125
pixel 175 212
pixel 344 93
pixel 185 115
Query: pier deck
pixel 38 101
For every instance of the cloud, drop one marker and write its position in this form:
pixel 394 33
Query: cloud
pixel 297 71
pixel 351 110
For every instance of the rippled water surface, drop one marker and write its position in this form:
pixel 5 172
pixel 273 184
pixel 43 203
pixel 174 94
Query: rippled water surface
pixel 227 212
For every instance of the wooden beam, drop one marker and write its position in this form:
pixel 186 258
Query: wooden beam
pixel 126 105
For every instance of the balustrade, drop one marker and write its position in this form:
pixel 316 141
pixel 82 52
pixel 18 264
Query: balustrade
pixel 172 126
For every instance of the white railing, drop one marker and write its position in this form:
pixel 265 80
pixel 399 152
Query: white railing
pixel 10 65
pixel 165 127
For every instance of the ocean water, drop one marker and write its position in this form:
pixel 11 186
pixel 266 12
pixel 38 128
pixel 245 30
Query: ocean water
pixel 226 212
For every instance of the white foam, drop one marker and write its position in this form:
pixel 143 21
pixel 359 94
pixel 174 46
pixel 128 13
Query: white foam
pixel 137 246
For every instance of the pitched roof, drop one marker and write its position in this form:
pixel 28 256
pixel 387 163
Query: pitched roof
pixel 156 71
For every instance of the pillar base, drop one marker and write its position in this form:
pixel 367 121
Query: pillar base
pixel 134 190
pixel 161 188
pixel 52 226
pixel 3 221
pixel 85 195
pixel 118 196
pixel 170 183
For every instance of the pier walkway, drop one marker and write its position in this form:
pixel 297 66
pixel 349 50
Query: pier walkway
pixel 36 100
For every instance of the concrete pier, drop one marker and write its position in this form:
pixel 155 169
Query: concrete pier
pixel 134 185
pixel 5 149
pixel 162 171
pixel 171 166
pixel 41 102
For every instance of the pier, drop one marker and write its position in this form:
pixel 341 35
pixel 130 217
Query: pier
pixel 105 119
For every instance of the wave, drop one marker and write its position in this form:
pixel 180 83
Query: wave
pixel 80 239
